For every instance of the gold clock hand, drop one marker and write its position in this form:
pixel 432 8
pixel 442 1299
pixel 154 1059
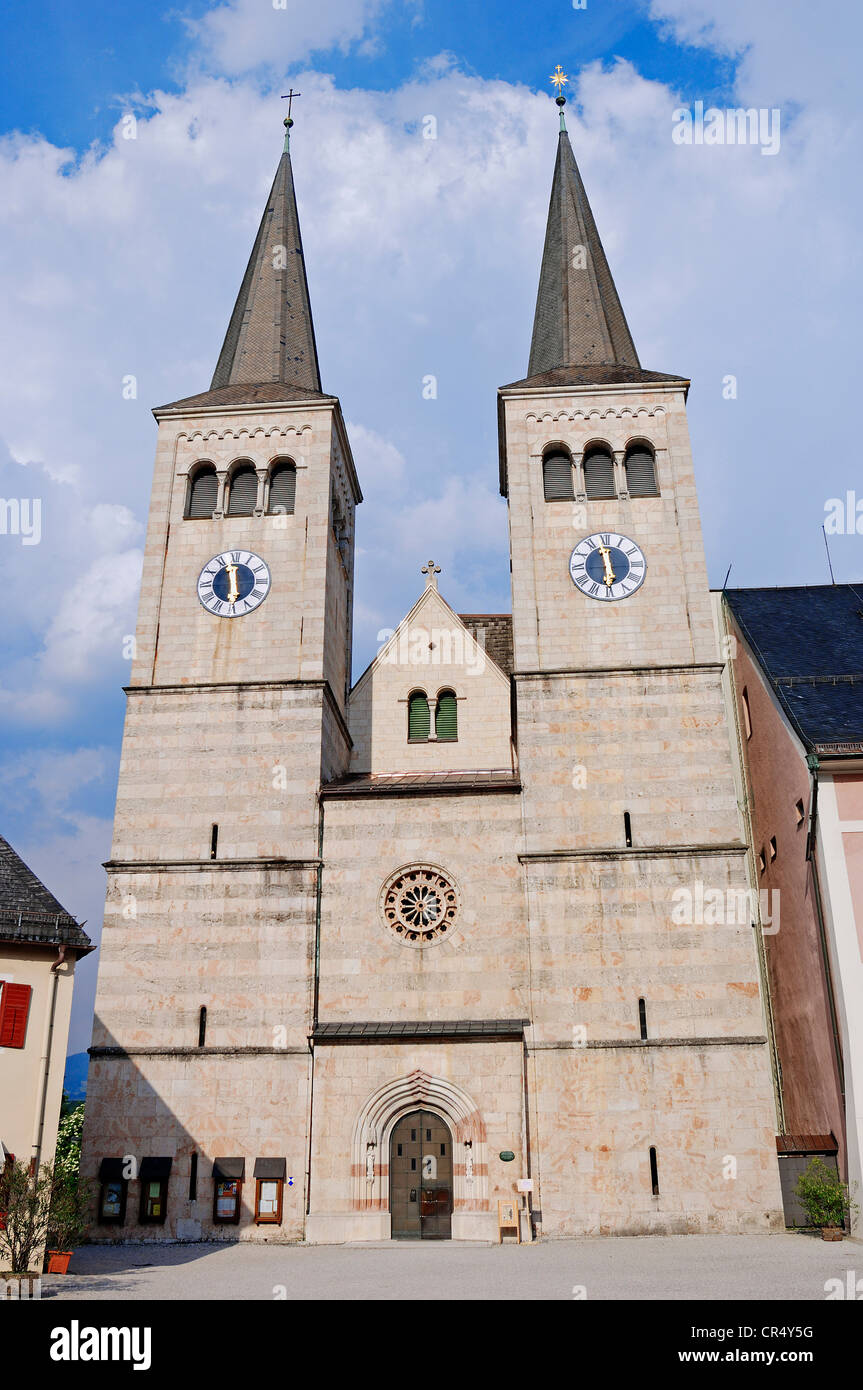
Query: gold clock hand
pixel 606 560
pixel 233 591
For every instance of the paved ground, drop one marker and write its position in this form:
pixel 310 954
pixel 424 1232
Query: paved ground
pixel 779 1267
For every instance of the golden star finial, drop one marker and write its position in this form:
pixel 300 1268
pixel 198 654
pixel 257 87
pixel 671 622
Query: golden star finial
pixel 559 77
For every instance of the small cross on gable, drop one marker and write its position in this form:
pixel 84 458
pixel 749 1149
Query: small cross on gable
pixel 431 570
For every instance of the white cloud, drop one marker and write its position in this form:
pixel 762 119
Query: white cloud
pixel 246 34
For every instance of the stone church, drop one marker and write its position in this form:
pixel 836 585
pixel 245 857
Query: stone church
pixel 379 956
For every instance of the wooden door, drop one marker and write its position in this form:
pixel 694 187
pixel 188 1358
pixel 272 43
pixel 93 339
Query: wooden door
pixel 421 1178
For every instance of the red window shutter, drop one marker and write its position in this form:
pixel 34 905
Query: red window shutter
pixel 14 1007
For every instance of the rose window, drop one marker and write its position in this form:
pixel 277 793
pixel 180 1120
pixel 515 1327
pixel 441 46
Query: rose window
pixel 420 904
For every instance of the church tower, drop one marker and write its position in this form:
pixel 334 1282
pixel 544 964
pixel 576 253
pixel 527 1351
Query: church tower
pixel 236 713
pixel 653 1104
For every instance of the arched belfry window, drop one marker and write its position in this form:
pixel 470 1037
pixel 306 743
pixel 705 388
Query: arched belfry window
pixel 557 475
pixel 243 490
pixel 599 474
pixel 419 721
pixel 446 716
pixel 283 488
pixel 641 472
pixel 203 491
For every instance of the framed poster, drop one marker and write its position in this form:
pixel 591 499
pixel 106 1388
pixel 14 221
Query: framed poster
pixel 507 1219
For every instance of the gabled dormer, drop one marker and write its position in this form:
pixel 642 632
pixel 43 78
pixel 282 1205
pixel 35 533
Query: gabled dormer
pixel 433 699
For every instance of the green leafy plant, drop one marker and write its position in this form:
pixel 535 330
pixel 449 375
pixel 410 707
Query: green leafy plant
pixel 823 1195
pixel 67 1159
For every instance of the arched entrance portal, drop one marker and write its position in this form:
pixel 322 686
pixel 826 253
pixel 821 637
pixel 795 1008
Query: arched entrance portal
pixel 421 1178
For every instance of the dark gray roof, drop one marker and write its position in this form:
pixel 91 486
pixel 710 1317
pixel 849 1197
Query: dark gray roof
pixel 493 631
pixel 432 1028
pixel 808 640
pixel 596 374
pixel 579 317
pixel 28 911
pixel 271 336
pixel 255 393
pixel 421 783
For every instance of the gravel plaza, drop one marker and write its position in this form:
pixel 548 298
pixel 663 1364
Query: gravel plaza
pixel 793 1267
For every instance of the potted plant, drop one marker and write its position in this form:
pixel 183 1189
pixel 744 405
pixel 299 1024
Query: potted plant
pixel 69 1195
pixel 826 1199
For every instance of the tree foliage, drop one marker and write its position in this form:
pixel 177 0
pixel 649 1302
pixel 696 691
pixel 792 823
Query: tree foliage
pixel 47 1207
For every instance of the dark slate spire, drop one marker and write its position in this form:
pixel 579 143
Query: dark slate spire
pixel 271 337
pixel 579 320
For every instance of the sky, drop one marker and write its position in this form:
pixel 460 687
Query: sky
pixel 137 145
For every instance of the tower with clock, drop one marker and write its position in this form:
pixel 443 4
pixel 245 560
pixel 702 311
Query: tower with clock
pixel 422 940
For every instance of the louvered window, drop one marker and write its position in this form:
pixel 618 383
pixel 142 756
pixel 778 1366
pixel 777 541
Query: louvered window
pixel 419 722
pixel 14 1007
pixel 599 475
pixel 203 492
pixel 557 477
pixel 283 489
pixel 244 492
pixel 446 716
pixel 641 474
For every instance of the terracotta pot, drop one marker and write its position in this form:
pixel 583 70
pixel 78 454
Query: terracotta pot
pixel 58 1261
pixel 832 1233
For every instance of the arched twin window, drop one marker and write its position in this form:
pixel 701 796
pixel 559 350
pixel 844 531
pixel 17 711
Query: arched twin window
pixel 445 717
pixel 598 467
pixel 241 492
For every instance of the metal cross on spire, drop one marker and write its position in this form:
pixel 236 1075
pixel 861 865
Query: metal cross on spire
pixel 559 78
pixel 430 570
pixel 289 98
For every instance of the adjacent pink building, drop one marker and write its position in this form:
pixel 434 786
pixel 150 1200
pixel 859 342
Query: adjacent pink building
pixel 797 678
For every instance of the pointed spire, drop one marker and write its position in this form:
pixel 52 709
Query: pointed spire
pixel 271 337
pixel 579 319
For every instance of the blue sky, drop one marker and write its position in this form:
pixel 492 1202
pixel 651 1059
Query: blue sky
pixel 90 57
pixel 122 257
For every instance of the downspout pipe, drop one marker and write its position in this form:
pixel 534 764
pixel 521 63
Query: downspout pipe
pixel 47 1049
pixel 315 998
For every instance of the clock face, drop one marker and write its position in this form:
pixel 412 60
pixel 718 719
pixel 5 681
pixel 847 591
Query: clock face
pixel 233 583
pixel 607 566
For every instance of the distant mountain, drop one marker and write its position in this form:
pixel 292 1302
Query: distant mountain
pixel 75 1081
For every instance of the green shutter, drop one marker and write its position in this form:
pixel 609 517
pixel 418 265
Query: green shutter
pixel 446 717
pixel 419 722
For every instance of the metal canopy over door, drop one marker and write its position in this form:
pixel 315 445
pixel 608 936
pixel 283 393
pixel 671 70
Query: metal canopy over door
pixel 421 1178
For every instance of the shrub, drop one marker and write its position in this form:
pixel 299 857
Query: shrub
pixel 824 1196
pixel 36 1208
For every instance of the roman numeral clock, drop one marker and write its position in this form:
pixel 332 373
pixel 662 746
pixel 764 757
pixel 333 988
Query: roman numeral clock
pixel 607 566
pixel 234 583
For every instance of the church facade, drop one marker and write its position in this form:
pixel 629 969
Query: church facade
pixel 376 953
